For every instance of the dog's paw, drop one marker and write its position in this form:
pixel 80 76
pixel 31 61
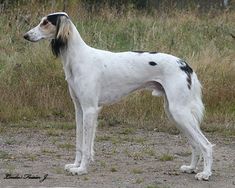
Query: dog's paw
pixel 77 171
pixel 203 176
pixel 187 169
pixel 68 166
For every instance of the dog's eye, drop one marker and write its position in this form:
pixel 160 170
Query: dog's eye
pixel 45 22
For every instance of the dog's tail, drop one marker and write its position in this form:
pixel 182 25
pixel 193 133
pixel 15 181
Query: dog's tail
pixel 197 107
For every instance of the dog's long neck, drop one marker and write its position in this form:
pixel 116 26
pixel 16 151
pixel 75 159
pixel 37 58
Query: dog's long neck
pixel 75 47
pixel 76 40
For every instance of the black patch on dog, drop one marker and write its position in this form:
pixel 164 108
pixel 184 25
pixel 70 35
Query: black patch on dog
pixel 189 80
pixel 152 63
pixel 54 18
pixel 188 71
pixel 140 52
pixel 57 44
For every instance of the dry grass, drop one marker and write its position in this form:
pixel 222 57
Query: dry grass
pixel 32 82
pixel 166 157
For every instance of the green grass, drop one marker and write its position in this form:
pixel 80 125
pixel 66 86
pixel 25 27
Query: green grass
pixel 103 164
pixel 2 130
pixel 137 171
pixel 66 146
pixel 47 126
pixel 10 168
pixel 86 178
pixel 135 155
pixel 58 170
pixel 153 186
pixel 103 138
pixel 30 156
pixel 54 132
pixel 32 85
pixel 113 169
pixel 4 155
pixel 166 157
pixel 150 152
pixel 48 152
pixel 139 180
pixel 127 131
pixel 10 142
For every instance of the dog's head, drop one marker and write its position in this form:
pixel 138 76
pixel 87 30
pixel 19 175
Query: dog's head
pixel 56 26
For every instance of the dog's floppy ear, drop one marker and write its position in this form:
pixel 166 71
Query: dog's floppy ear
pixel 63 32
pixel 63 28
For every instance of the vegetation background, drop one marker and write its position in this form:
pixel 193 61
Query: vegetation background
pixel 32 85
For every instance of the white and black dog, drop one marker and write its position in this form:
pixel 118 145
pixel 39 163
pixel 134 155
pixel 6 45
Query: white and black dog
pixel 97 77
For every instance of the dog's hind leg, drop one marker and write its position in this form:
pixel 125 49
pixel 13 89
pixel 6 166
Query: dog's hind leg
pixel 186 123
pixel 185 108
pixel 194 147
pixel 192 168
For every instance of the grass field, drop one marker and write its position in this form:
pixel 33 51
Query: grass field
pixel 32 85
pixel 135 144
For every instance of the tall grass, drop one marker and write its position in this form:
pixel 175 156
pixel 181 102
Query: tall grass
pixel 32 82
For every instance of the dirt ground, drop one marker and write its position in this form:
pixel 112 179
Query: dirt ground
pixel 125 157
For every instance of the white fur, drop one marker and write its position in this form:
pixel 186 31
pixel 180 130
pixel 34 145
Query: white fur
pixel 97 77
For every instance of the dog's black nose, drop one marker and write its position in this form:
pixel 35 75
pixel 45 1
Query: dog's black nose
pixel 26 36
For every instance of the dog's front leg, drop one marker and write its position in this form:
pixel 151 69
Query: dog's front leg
pixel 89 125
pixel 79 131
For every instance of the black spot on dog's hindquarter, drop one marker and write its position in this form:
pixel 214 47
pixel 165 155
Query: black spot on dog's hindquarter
pixel 189 80
pixel 188 71
pixel 141 52
pixel 152 63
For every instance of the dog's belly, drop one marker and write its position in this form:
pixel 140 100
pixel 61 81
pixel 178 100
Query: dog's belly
pixel 114 94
